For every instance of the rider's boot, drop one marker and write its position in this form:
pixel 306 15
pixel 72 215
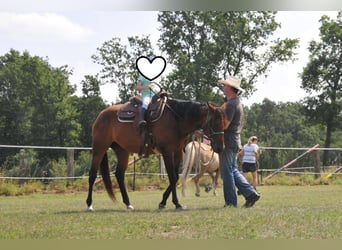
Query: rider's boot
pixel 142 122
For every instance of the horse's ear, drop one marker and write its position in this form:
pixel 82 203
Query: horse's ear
pixel 213 105
pixel 209 106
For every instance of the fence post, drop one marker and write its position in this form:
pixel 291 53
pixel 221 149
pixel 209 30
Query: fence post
pixel 22 167
pixel 70 161
pixel 162 167
pixel 133 184
pixel 316 156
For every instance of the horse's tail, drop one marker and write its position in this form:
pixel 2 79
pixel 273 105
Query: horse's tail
pixel 106 177
pixel 188 162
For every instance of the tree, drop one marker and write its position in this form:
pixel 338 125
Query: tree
pixel 35 107
pixel 205 46
pixel 279 125
pixel 118 61
pixel 322 79
pixel 54 119
pixel 88 107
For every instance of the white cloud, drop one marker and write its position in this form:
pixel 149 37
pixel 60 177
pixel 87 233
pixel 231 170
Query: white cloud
pixel 41 28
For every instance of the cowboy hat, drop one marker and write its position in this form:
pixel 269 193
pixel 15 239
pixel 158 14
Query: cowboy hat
pixel 232 81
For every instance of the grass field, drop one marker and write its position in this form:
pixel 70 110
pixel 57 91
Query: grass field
pixel 283 212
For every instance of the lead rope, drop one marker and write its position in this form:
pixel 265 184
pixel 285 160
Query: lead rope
pixel 199 162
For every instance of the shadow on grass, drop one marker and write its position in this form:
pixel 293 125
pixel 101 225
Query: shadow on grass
pixel 115 210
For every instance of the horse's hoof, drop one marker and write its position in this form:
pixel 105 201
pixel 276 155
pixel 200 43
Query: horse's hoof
pixel 161 206
pixel 197 194
pixel 130 207
pixel 90 208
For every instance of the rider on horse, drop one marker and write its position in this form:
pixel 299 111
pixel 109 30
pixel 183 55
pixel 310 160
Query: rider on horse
pixel 144 87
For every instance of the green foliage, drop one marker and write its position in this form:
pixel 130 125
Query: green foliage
pixel 32 165
pixel 35 107
pixel 82 164
pixel 200 47
pixel 118 60
pixel 322 79
pixel 148 165
pixel 205 46
pixel 280 125
pixel 58 186
pixel 88 107
pixel 293 180
pixel 8 189
pixel 12 188
pixel 32 187
pixel 58 168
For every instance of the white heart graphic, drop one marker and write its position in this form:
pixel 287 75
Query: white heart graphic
pixel 151 69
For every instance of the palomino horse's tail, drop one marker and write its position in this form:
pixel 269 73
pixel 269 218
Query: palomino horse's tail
pixel 188 162
pixel 106 177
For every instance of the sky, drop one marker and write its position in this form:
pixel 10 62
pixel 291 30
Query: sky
pixel 71 37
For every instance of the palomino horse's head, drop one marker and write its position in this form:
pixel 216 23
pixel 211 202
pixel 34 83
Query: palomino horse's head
pixel 214 126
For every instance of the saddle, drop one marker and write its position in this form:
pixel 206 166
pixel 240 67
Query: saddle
pixel 130 109
pixel 129 112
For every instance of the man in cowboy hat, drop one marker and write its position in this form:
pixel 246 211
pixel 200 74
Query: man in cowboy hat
pixel 230 175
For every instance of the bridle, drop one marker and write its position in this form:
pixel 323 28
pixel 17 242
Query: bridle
pixel 206 124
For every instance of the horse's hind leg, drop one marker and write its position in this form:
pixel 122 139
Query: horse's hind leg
pixel 91 180
pixel 122 156
pixel 215 177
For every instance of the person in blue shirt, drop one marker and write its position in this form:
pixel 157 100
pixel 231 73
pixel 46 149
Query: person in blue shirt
pixel 144 87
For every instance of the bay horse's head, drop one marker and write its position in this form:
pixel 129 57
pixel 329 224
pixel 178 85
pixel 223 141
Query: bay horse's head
pixel 213 127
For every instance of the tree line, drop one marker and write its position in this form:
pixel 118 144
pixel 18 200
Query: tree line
pixel 38 105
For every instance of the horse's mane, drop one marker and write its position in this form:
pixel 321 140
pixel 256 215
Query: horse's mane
pixel 185 109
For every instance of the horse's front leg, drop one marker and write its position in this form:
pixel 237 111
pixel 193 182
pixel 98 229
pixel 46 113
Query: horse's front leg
pixel 177 160
pixel 196 181
pixel 215 180
pixel 166 195
pixel 172 166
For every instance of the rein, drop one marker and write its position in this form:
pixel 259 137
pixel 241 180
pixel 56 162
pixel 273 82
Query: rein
pixel 173 111
pixel 206 123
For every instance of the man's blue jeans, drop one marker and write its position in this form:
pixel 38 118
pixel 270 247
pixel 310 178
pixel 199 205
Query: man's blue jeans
pixel 232 178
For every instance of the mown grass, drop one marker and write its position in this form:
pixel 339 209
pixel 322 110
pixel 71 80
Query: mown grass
pixel 283 212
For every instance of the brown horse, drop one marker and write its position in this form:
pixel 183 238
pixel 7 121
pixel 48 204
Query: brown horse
pixel 202 157
pixel 168 133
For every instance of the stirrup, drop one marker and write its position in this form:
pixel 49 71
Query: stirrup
pixel 142 123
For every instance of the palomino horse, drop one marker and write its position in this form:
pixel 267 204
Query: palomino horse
pixel 202 157
pixel 168 133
